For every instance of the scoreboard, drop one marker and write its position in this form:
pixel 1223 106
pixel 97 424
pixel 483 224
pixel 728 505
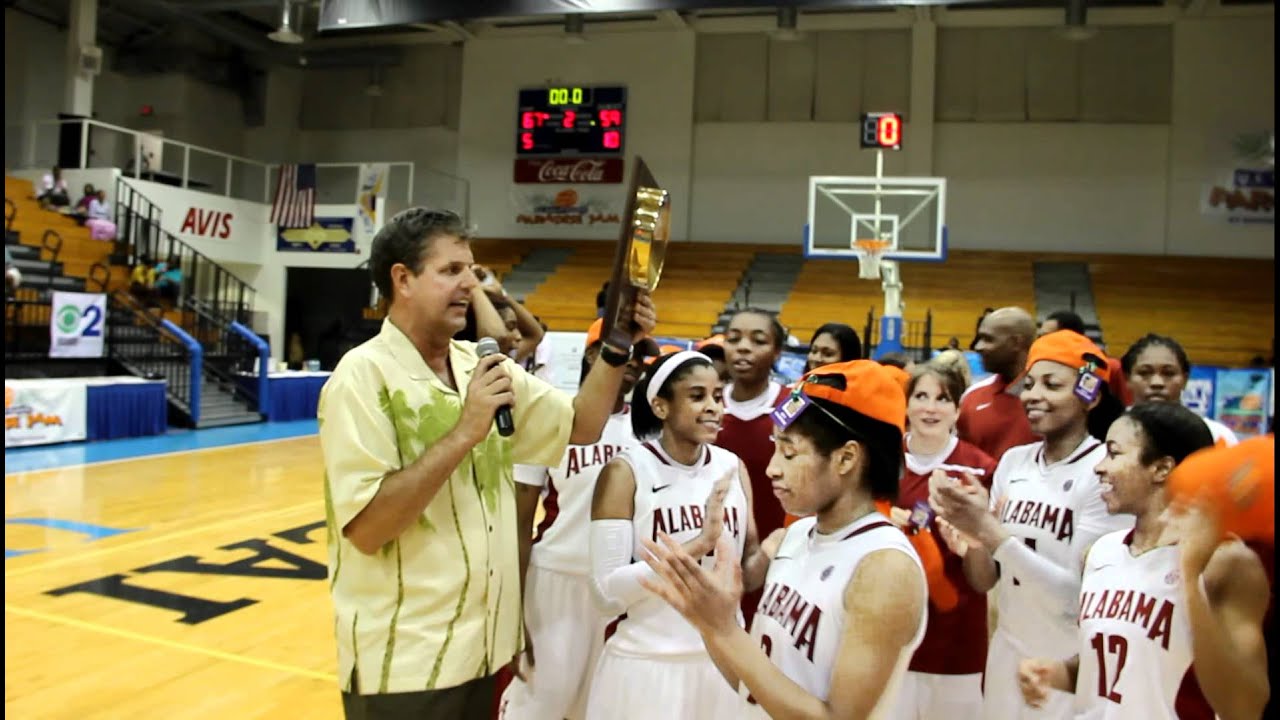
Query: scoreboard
pixel 589 121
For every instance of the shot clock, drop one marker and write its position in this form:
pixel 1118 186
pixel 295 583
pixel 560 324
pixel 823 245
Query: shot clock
pixel 571 121
pixel 882 131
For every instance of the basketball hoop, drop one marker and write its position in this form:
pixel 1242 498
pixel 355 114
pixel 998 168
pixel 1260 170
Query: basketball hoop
pixel 869 261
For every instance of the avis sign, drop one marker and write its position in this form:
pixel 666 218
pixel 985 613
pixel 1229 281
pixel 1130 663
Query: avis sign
pixel 207 223
pixel 565 171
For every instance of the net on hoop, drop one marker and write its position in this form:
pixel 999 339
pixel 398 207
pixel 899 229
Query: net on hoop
pixel 869 262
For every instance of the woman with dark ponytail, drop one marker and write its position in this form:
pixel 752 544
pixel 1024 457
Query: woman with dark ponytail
pixel 678 484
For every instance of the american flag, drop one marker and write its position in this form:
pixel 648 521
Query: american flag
pixel 295 205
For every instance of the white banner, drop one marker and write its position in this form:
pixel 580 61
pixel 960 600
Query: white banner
pixel 373 186
pixel 567 205
pixel 38 412
pixel 77 324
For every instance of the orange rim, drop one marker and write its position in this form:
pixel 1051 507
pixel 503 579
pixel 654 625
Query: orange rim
pixel 872 246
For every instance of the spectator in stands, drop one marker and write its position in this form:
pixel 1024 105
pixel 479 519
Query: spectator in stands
pixel 169 280
pixel 142 281
pixel 1158 369
pixel 53 190
pixel 953 344
pixel 99 221
pixel 991 414
pixel 12 276
pixel 833 343
pixel 81 210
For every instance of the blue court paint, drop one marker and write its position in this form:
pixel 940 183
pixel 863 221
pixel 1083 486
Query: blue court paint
pixel 56 456
pixel 94 532
pixel 91 531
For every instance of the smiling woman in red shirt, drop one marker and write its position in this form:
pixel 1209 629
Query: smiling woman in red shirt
pixel 944 679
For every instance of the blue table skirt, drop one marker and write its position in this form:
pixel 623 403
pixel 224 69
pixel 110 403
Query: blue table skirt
pixel 126 410
pixel 289 398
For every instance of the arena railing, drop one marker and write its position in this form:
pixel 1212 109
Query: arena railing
pixel 149 346
pixel 187 165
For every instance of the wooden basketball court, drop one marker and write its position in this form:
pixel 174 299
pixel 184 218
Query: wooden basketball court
pixel 186 585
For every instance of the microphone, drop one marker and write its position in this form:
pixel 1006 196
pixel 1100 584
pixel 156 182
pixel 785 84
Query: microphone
pixel 486 347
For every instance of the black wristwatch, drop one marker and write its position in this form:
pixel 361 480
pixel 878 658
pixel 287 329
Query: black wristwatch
pixel 614 357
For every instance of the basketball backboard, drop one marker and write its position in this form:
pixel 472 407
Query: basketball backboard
pixel 907 212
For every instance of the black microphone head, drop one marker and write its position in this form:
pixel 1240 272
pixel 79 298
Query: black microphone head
pixel 486 347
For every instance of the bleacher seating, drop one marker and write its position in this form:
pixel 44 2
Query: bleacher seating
pixel 955 291
pixel 78 253
pixel 73 268
pixel 1221 310
pixel 697 282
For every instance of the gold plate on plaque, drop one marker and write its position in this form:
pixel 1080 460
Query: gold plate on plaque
pixel 649 234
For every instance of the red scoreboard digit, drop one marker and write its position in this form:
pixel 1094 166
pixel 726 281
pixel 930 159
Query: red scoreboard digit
pixel 882 131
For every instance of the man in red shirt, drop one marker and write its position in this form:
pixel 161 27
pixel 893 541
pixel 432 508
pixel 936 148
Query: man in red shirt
pixel 991 414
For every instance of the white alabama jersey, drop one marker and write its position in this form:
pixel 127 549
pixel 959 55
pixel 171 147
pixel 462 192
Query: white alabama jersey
pixel 800 620
pixel 670 497
pixel 1135 639
pixel 1057 510
pixel 563 542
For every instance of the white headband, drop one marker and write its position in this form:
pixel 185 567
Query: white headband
pixel 668 367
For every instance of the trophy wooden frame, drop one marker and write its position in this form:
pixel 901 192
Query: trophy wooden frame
pixel 641 252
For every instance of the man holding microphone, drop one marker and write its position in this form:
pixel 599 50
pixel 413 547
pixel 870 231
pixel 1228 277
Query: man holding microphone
pixel 419 495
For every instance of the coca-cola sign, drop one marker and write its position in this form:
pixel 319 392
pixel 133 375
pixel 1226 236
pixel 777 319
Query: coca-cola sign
pixel 563 171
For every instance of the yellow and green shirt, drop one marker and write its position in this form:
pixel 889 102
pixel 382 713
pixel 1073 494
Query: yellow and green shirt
pixel 440 605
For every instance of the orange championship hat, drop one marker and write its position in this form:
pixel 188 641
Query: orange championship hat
pixel 864 386
pixel 876 391
pixel 902 376
pixel 646 347
pixel 594 332
pixel 1238 483
pixel 1077 352
pixel 717 339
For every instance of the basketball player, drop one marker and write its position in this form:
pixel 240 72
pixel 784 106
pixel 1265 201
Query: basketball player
pixel 944 679
pixel 845 596
pixel 1170 615
pixel 558 605
pixel 753 343
pixel 678 484
pixel 1045 508
pixel 1157 368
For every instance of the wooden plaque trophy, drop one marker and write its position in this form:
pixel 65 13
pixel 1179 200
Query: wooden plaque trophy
pixel 642 249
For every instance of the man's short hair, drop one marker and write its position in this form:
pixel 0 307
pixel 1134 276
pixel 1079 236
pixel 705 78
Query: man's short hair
pixel 406 239
pixel 1067 320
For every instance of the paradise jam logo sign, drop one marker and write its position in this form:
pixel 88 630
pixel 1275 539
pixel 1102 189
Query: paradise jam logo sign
pixel 566 207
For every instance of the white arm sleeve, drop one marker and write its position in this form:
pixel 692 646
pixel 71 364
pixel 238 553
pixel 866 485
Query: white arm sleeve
pixel 615 579
pixel 1059 585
